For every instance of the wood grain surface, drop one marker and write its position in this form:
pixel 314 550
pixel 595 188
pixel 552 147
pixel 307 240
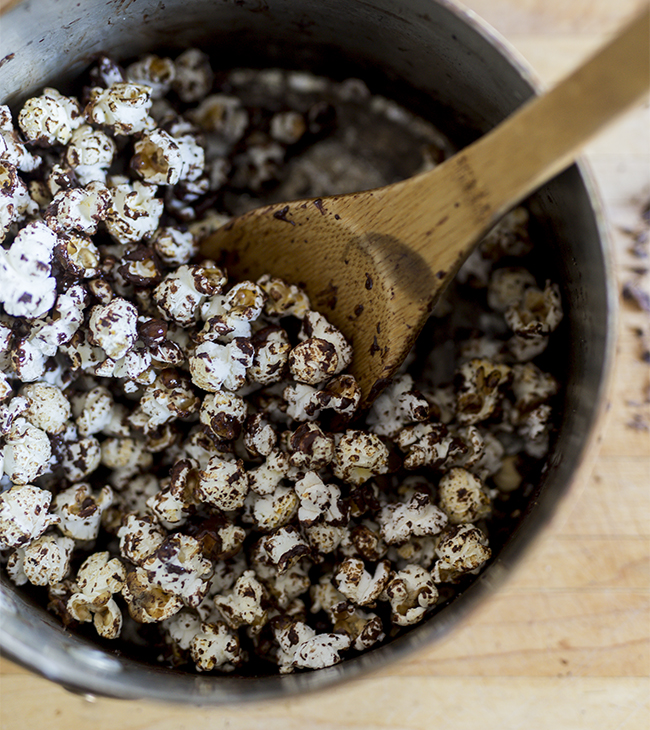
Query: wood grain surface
pixel 566 644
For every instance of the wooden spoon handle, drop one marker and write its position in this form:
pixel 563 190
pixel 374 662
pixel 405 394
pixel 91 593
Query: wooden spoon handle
pixel 532 145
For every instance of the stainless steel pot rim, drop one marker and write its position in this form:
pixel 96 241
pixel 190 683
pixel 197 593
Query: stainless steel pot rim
pixel 87 670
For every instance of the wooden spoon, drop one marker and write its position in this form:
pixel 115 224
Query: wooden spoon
pixel 375 262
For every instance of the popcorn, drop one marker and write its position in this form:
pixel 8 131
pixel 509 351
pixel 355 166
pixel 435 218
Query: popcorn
pixel 283 299
pixel 12 150
pixel 193 75
pixel 462 497
pixel 314 325
pixel 359 456
pixel 313 360
pixel 24 515
pixel 223 413
pixel 319 501
pixel 214 646
pixel 281 549
pixel 242 606
pixel 94 411
pixel 98 579
pixel 90 153
pixel 287 127
pixel 271 510
pixel 418 516
pixel 214 366
pixel 309 448
pixel 461 550
pixel 161 159
pixel 123 108
pixel 139 538
pixel 259 436
pixel 174 246
pixel 411 592
pixel 480 389
pixel 44 561
pixel 146 601
pixel 79 209
pixel 134 211
pixel 49 119
pixel 27 452
pixel 114 327
pixel 223 115
pixel 80 457
pixel 357 584
pixel 301 648
pixel 178 567
pixel 26 287
pixel 15 202
pixel 80 511
pixel 47 407
pixel 152 71
pixel 398 405
pixel 223 484
pixel 77 254
pixel 180 294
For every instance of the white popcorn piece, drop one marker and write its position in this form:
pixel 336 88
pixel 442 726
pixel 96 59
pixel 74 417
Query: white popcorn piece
pixel 429 444
pixel 223 115
pixel 114 327
pixel 47 407
pixel 272 349
pixel 58 328
pixel 419 517
pixel 281 549
pixel 507 286
pixel 359 456
pixel 193 79
pixel 169 397
pixel 300 647
pixel 46 560
pixel 173 246
pixel 123 108
pixel 357 584
pixel 15 202
pixel 77 254
pixel 313 361
pixel 153 71
pixel 319 502
pixel 309 448
pixel 229 316
pixel 480 389
pixel 462 549
pixel 139 538
pixel 532 319
pixel 147 602
pixel 49 119
pixel 259 436
pixel 223 413
pixel 242 606
pixel 181 293
pixel 26 287
pixel 411 593
pixel 134 211
pixel 10 411
pixel 214 366
pixel 99 577
pixel 315 325
pixel 271 510
pixel 80 510
pixel 93 411
pixel 90 153
pixel 398 405
pixel 283 299
pixel 215 646
pixel 182 628
pixel 223 484
pixel 80 457
pixel 463 497
pixel 364 629
pixel 178 567
pixel 27 452
pixel 24 515
pixel 12 150
pixel 126 457
pixel 302 401
pixel 288 127
pixel 265 478
pixel 161 159
pixel 531 387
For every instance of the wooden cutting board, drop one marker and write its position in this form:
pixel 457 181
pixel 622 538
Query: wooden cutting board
pixel 566 643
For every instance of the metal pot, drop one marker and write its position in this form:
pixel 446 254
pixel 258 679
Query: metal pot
pixel 442 62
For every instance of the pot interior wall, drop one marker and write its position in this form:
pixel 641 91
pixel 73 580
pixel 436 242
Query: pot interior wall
pixel 427 56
